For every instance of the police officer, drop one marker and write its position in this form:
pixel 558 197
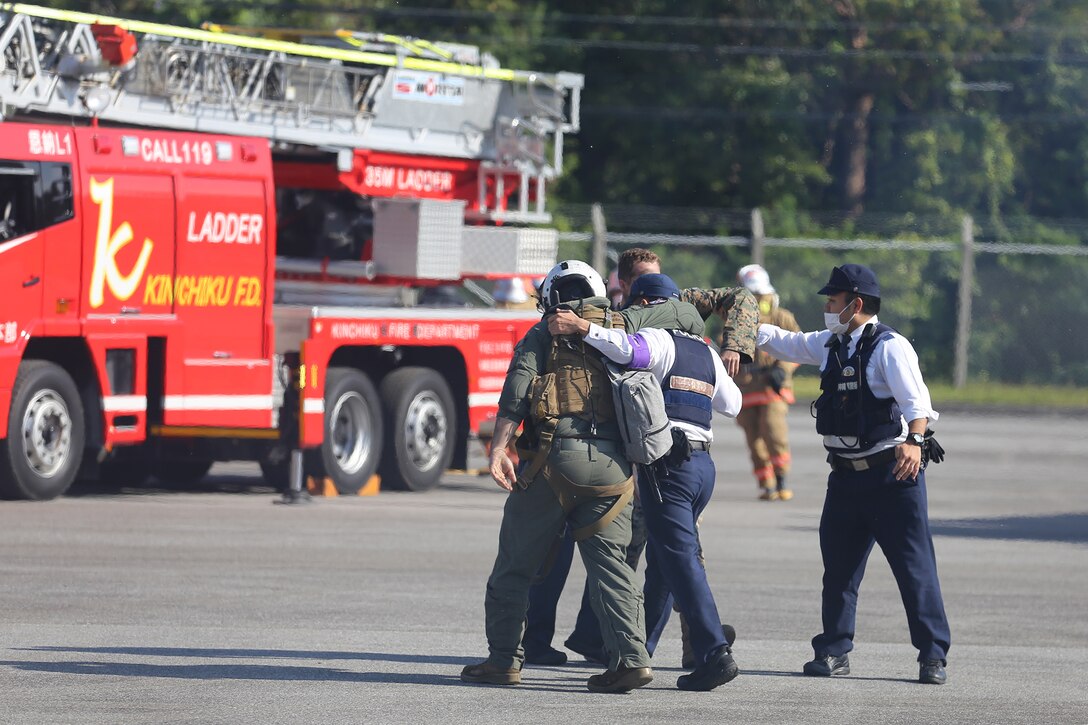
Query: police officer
pixel 740 316
pixel 694 383
pixel 873 411
pixel 767 388
pixel 573 469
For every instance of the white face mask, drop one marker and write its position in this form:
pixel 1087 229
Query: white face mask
pixel 835 325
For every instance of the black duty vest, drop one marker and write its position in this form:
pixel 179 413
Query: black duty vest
pixel 847 406
pixel 688 387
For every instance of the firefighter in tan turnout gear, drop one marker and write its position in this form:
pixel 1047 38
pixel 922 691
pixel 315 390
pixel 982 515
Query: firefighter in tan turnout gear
pixel 767 387
pixel 572 469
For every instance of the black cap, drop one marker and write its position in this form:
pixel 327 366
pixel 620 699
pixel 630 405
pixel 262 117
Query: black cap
pixel 855 278
pixel 652 286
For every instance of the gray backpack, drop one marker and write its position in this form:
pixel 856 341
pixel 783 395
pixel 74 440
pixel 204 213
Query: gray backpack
pixel 640 414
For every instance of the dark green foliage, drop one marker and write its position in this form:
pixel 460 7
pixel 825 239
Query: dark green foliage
pixel 840 118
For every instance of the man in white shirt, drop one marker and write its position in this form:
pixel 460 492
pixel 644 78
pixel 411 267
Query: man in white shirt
pixel 873 412
pixel 694 383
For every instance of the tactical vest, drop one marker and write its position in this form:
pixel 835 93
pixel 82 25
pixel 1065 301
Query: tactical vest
pixel 688 386
pixel 846 406
pixel 574 382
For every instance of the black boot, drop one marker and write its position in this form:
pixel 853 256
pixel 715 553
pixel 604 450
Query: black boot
pixel 718 669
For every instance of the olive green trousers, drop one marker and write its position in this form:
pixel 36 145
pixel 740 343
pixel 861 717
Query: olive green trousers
pixel 531 522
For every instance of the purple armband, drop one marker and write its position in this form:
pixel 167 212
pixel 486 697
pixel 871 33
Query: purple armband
pixel 640 352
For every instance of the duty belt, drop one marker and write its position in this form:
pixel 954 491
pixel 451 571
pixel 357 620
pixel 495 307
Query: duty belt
pixel 699 445
pixel 839 463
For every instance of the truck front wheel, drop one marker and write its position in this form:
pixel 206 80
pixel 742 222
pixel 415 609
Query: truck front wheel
pixel 353 434
pixel 420 421
pixel 40 457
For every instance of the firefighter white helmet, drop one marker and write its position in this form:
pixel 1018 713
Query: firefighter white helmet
pixel 511 291
pixel 755 279
pixel 571 280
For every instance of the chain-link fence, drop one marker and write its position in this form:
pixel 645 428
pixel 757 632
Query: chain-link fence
pixel 999 302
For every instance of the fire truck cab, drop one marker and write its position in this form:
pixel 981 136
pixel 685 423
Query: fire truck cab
pixel 136 267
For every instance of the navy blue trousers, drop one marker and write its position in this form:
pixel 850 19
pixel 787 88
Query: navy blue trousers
pixel 867 507
pixel 673 569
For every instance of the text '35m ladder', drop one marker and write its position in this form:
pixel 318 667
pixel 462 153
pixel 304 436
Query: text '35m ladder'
pixel 416 98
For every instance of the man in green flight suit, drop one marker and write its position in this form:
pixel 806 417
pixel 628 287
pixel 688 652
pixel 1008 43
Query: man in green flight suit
pixel 574 470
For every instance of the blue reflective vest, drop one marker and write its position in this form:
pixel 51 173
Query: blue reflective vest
pixel 846 406
pixel 688 387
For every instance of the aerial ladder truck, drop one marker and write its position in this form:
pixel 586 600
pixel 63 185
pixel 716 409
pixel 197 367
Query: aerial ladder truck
pixel 216 244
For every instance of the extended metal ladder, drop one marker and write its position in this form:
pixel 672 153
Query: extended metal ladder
pixel 421 98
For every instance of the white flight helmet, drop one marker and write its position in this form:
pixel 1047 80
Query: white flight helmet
pixel 571 280
pixel 755 279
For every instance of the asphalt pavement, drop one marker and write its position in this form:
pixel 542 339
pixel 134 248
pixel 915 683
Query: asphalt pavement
pixel 216 605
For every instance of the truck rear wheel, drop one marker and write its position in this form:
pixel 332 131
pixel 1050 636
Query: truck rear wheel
pixel 353 433
pixel 420 421
pixel 40 457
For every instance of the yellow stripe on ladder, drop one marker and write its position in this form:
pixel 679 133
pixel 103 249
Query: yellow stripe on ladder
pixel 274 46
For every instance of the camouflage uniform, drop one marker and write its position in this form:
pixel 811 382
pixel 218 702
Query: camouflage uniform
pixel 734 305
pixel 737 308
pixel 763 415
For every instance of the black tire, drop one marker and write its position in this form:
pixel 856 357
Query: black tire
pixel 353 432
pixel 420 423
pixel 43 450
pixel 181 472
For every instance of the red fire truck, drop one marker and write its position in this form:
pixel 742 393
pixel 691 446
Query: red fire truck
pixel 217 246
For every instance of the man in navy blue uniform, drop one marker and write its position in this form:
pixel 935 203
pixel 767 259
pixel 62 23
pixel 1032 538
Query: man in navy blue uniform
pixel 873 412
pixel 695 384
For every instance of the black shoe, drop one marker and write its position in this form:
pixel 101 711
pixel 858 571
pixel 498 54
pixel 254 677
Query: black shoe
pixel 827 666
pixel 931 672
pixel 623 679
pixel 730 634
pixel 719 669
pixel 596 656
pixel 549 656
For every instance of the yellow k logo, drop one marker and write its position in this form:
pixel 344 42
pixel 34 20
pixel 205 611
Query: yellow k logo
pixel 106 247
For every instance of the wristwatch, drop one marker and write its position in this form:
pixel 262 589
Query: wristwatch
pixel 915 439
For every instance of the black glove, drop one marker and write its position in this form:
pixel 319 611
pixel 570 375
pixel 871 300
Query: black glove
pixel 777 378
pixel 931 449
